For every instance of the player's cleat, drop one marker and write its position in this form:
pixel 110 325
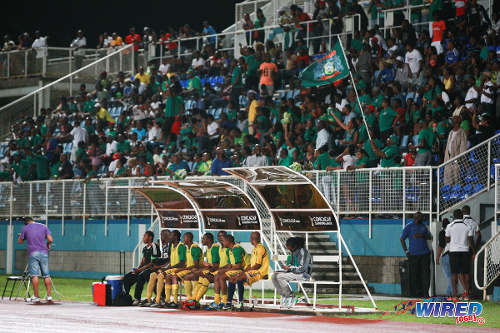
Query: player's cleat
pixel 196 306
pixel 48 299
pixel 212 307
pixel 35 300
pixel 227 307
pixel 136 302
pixel 171 305
pixel 240 307
pixel 189 302
pixel 155 305
pixel 146 303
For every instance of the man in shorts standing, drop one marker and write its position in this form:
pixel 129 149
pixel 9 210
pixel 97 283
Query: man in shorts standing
pixel 460 237
pixel 39 239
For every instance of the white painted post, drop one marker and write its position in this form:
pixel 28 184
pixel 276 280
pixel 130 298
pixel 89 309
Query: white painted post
pixel 10 249
pixel 84 207
pixel 106 211
pixel 62 208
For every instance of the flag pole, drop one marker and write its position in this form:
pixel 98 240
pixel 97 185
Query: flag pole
pixel 355 89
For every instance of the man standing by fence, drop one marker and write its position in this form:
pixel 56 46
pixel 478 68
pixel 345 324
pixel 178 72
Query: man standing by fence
pixel 39 239
pixel 418 255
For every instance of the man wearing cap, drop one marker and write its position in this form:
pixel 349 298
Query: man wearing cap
pixel 426 139
pixel 79 42
pixel 402 73
pixel 39 239
pixel 219 163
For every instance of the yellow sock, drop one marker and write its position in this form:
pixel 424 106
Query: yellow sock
pixel 196 285
pixel 201 291
pixel 175 293
pixel 224 298
pixel 217 298
pixel 188 286
pixel 168 292
pixel 160 283
pixel 151 285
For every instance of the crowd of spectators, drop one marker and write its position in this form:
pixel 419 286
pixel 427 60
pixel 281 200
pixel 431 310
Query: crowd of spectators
pixel 426 97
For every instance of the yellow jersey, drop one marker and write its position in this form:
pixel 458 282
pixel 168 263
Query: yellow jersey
pixel 193 255
pixel 212 254
pixel 260 256
pixel 177 253
pixel 223 258
pixel 237 255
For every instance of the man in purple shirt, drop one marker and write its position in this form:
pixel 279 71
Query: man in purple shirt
pixel 39 239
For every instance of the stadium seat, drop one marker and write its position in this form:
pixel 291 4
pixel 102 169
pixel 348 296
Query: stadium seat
pixel 477 188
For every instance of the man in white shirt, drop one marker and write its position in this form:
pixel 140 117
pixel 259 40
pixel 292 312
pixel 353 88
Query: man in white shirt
pixel 79 134
pixel 39 45
pixel 79 42
pixel 111 146
pixel 472 96
pixel 459 236
pixel 323 135
pixel 488 93
pixel 257 159
pixel 414 60
pixel 163 69
pixel 106 40
pixel 154 132
pixel 212 129
pixel 473 225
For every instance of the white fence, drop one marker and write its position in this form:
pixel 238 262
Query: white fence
pixel 468 174
pixel 69 85
pixel 370 192
pixel 490 252
pixel 52 62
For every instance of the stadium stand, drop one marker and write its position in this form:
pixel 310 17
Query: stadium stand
pixel 426 97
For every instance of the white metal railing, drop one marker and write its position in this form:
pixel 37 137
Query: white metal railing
pixel 491 263
pixel 231 40
pixel 467 174
pixel 366 191
pixel 48 95
pixel 47 61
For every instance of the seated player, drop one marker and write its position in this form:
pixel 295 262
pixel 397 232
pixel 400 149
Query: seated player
pixel 158 266
pixel 214 268
pixel 258 268
pixel 194 260
pixel 236 264
pixel 177 260
pixel 204 274
pixel 140 275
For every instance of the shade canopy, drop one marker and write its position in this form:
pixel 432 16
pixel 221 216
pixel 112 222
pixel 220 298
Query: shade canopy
pixel 294 202
pixel 219 205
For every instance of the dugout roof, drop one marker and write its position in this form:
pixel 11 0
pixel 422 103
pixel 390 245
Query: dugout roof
pixel 219 205
pixel 294 202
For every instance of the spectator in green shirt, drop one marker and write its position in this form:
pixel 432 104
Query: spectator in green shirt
pixel 194 83
pixel 386 118
pixel 426 139
pixel 285 158
pixel 390 153
pixel 236 81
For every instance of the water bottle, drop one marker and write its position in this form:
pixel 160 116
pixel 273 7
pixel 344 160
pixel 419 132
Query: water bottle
pixel 254 301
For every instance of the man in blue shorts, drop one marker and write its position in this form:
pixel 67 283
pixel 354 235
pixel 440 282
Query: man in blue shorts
pixel 39 239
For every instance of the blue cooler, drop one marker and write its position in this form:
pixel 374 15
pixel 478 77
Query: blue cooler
pixel 116 282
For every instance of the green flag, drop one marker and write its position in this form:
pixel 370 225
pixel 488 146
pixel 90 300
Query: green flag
pixel 328 69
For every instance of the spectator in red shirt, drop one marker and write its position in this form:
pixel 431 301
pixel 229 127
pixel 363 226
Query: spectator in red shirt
pixel 410 157
pixel 133 37
pixel 438 28
pixel 303 59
